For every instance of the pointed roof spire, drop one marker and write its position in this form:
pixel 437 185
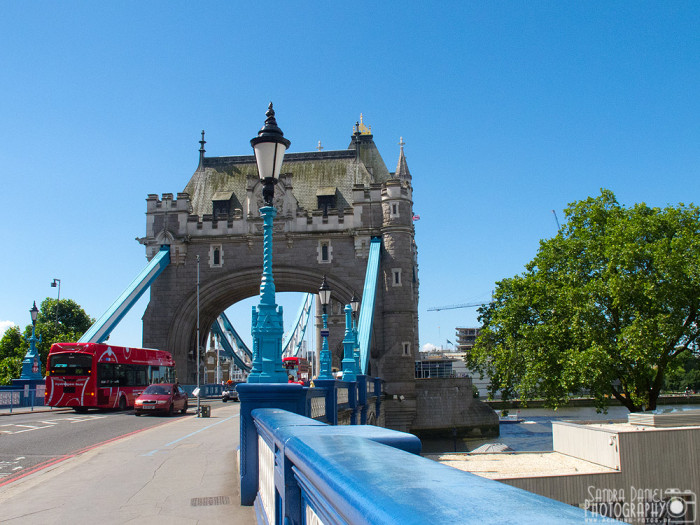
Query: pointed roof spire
pixel 402 166
pixel 201 152
pixel 319 147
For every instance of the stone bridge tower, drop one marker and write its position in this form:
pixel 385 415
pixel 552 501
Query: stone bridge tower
pixel 330 205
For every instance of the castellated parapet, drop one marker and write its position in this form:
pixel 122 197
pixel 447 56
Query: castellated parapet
pixel 330 204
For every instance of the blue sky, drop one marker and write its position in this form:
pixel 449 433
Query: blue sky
pixel 509 110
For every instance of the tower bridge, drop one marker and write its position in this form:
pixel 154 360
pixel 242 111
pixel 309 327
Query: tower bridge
pixel 331 205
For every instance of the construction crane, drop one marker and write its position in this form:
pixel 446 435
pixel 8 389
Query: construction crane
pixel 454 306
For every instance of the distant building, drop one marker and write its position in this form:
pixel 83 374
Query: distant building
pixel 466 337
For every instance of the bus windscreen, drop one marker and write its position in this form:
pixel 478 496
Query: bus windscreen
pixel 70 364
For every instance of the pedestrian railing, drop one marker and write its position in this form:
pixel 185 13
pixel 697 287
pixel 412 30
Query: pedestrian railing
pixel 311 472
pixel 14 398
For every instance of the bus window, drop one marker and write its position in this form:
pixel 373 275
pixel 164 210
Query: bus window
pixel 70 365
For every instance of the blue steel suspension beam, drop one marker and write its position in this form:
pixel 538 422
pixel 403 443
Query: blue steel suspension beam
pixel 367 305
pixel 101 329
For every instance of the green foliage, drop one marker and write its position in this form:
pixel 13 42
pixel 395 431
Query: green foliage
pixel 604 307
pixel 10 343
pixel 10 368
pixel 70 324
pixel 683 373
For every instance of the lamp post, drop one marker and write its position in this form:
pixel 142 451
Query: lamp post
pixel 267 326
pixel 324 295
pixel 31 367
pixel 57 282
pixel 355 305
pixel 348 363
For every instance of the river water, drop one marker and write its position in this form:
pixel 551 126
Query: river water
pixel 534 433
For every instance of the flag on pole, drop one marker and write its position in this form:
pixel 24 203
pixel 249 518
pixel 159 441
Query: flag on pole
pixel 416 217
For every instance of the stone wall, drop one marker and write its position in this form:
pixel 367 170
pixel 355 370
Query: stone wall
pixel 447 407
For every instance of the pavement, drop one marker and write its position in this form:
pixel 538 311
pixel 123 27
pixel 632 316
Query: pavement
pixel 182 472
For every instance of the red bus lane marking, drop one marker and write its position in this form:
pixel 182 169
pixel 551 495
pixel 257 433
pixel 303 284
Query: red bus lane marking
pixel 54 461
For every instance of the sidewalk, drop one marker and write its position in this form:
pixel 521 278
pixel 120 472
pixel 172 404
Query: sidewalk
pixel 183 472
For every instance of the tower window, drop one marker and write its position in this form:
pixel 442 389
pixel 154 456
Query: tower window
pixel 396 277
pixel 324 252
pixel 216 256
pixel 406 347
pixel 394 209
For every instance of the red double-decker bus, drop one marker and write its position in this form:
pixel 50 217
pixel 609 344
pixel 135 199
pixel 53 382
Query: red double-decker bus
pixel 93 375
pixel 298 368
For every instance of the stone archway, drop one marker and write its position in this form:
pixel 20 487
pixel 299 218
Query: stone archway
pixel 217 295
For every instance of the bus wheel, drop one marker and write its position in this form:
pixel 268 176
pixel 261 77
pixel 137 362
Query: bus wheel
pixel 80 410
pixel 122 403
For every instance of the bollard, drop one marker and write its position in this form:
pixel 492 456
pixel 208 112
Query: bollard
pixel 206 410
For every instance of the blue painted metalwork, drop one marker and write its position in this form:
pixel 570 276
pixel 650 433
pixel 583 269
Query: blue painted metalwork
pixel 229 350
pixel 348 363
pixel 292 342
pixel 234 335
pixel 267 323
pixel 101 329
pixel 324 357
pixel 31 364
pixel 365 474
pixel 367 307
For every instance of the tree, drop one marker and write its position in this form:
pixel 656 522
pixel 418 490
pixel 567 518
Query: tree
pixel 604 307
pixel 72 323
pixel 10 355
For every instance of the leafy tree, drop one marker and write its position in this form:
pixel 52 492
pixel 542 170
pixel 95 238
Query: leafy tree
pixel 10 343
pixel 604 307
pixel 684 373
pixel 70 324
pixel 10 355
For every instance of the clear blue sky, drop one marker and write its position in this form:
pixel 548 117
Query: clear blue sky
pixel 509 110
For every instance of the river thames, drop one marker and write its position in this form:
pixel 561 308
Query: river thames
pixel 534 432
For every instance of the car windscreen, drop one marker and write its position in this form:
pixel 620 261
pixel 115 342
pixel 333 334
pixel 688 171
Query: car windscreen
pixel 157 390
pixel 70 364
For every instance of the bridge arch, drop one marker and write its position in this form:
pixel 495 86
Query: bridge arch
pixel 216 295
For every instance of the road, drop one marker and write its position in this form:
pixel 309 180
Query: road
pixel 30 442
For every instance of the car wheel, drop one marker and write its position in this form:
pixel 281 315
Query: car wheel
pixel 122 403
pixel 137 413
pixel 184 409
pixel 171 409
pixel 224 399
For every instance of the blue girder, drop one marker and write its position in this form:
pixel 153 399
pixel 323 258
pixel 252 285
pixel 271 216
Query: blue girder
pixel 300 325
pixel 367 306
pixel 231 330
pixel 101 329
pixel 228 348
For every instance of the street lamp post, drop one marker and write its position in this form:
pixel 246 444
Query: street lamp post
pixel 267 325
pixel 355 305
pixel 324 295
pixel 57 282
pixel 348 363
pixel 31 366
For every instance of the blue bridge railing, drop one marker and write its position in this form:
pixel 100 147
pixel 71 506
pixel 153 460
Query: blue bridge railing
pixel 312 472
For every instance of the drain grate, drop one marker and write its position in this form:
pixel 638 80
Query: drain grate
pixel 211 500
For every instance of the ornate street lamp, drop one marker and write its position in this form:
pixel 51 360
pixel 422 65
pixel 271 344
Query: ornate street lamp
pixel 57 282
pixel 324 296
pixel 355 305
pixel 31 367
pixel 267 326
pixel 348 363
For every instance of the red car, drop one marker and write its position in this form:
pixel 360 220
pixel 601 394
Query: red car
pixel 166 398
